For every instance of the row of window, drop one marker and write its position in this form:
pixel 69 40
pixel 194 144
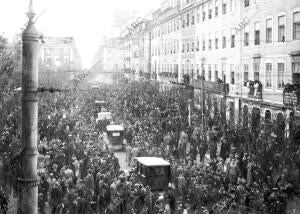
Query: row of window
pixel 271 70
pixel 208 11
pixel 186 69
pixel 57 51
pixel 268 73
pixel 166 49
pixel 281 29
pixel 190 18
pixel 169 68
pixel 166 28
pixel 195 45
pixel 280 72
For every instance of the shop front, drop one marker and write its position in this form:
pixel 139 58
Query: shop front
pixel 211 96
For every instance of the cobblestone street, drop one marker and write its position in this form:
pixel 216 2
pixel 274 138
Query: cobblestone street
pixel 122 160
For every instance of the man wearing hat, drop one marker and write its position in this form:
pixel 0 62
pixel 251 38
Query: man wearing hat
pixel 212 143
pixel 123 192
pixel 128 153
pixel 233 170
pixel 159 205
pixel 56 196
pixel 89 181
pixel 181 181
pixel 149 199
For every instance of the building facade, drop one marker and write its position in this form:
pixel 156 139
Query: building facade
pixel 239 55
pixel 59 60
pixel 109 57
pixel 59 54
pixel 141 49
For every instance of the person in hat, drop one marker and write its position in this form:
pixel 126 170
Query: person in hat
pixel 56 196
pixel 43 189
pixel 123 192
pixel 186 209
pixel 149 199
pixel 212 143
pixel 240 191
pixel 82 203
pixel 250 168
pixel 89 181
pixel 167 207
pixel 128 154
pixel 233 171
pixel 181 181
pixel 159 205
pixel 41 204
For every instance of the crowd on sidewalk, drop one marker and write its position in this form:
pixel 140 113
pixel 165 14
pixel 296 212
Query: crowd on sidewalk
pixel 214 166
pixel 255 170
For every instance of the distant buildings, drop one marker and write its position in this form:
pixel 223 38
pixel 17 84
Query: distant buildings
pixel 59 60
pixel 109 57
pixel 248 52
pixel 139 54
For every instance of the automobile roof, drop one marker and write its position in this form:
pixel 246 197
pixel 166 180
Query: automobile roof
pixel 152 161
pixel 114 128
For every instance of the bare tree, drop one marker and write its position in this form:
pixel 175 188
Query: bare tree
pixel 10 105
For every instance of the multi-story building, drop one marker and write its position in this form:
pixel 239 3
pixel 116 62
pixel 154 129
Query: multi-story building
pixel 141 49
pixel 59 59
pixel 165 43
pixel 111 55
pixel 241 55
pixel 269 58
pixel 129 53
pixel 59 54
pixel 250 48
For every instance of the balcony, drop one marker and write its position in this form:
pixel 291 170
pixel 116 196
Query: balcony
pixel 168 77
pixel 146 76
pixel 211 86
pixel 254 89
pixel 291 96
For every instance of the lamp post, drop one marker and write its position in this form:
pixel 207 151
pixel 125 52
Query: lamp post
pixel 189 108
pixel 203 102
pixel 29 179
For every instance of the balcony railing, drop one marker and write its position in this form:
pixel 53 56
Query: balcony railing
pixel 211 86
pixel 254 89
pixel 171 77
pixel 145 75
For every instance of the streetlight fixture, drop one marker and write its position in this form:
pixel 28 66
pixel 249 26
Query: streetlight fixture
pixel 202 88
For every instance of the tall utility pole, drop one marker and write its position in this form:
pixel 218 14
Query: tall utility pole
pixel 189 108
pixel 29 179
pixel 203 101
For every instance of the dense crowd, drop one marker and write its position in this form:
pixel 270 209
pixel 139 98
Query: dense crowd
pixel 215 167
pixel 255 170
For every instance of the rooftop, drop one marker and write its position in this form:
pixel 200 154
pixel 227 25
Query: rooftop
pixel 58 40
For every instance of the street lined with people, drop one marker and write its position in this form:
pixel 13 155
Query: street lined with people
pixel 214 168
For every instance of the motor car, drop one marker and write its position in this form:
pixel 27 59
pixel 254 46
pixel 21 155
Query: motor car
pixel 153 172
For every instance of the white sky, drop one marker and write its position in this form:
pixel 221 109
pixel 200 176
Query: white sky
pixel 86 20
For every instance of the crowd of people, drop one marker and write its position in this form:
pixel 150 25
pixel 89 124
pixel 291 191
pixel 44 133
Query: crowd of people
pixel 215 167
pixel 255 170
